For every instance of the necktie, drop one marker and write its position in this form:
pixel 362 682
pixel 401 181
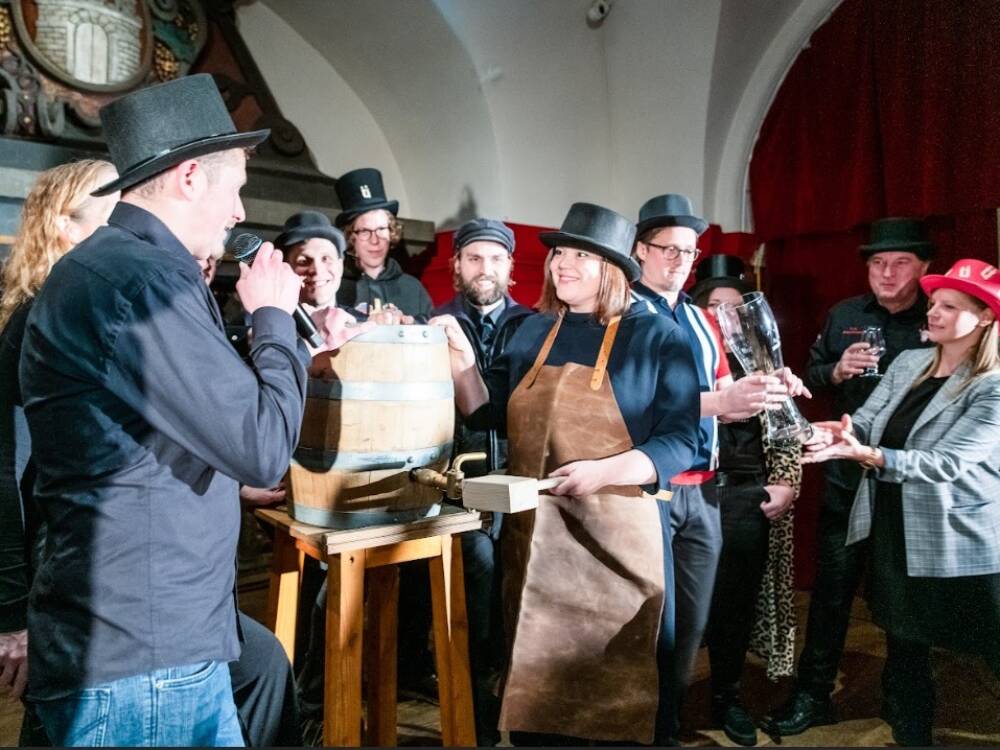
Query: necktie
pixel 487 328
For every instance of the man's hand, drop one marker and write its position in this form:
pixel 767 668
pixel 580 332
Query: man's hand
pixel 581 478
pixel 463 357
pixel 751 395
pixel 337 327
pixel 853 361
pixel 268 282
pixel 390 315
pixel 793 383
pixel 14 662
pixel 258 497
pixel 779 502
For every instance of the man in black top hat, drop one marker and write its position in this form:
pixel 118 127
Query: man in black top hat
pixel 124 369
pixel 489 316
pixel 897 256
pixel 369 222
pixel 666 248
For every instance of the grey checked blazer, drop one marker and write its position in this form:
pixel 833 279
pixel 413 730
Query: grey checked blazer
pixel 949 470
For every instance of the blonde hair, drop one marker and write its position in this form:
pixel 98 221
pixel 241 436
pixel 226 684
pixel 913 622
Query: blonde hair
pixel 613 295
pixel 983 359
pixel 39 243
pixel 395 230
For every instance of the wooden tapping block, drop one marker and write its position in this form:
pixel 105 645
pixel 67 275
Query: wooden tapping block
pixel 504 493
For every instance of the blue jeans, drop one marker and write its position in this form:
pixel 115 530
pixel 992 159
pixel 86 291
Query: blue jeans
pixel 190 706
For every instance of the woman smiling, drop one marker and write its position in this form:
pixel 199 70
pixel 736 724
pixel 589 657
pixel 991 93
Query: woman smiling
pixel 601 392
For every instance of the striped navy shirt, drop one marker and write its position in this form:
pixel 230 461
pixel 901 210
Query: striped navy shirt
pixel 710 362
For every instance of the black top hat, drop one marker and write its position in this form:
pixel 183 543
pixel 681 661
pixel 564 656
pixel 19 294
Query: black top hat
pixel 599 230
pixel 488 230
pixel 360 191
pixel 720 271
pixel 670 210
pixel 158 127
pixel 899 235
pixel 307 225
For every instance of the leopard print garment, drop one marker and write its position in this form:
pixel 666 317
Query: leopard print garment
pixel 773 635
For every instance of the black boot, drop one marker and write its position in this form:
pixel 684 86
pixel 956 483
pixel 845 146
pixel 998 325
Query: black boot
pixel 800 712
pixel 728 712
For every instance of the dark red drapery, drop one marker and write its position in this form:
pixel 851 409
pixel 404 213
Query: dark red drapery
pixel 892 110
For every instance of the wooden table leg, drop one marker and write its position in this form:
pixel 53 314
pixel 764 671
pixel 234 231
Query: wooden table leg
pixel 451 645
pixel 380 655
pixel 283 592
pixel 344 625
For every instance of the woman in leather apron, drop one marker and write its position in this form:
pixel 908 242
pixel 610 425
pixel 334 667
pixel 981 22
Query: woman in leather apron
pixel 601 391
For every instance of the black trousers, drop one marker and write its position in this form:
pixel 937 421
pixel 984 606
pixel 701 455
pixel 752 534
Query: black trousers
pixel 263 689
pixel 745 536
pixel 838 574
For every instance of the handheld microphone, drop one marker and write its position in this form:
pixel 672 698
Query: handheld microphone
pixel 244 250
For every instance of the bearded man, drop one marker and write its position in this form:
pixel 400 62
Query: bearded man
pixel 484 250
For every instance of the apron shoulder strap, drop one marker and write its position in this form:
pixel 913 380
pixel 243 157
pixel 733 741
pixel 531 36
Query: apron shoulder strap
pixel 543 354
pixel 601 365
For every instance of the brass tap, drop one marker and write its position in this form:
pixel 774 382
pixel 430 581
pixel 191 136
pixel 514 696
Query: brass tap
pixel 451 481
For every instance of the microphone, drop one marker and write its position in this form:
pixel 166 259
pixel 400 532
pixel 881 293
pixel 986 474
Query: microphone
pixel 244 250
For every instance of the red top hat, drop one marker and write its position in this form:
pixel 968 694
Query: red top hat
pixel 974 277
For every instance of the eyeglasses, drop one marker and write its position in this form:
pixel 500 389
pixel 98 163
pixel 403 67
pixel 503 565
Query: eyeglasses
pixel 672 251
pixel 381 233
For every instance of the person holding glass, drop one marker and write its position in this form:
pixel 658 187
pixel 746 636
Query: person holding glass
pixel 600 391
pixel 929 508
pixel 897 256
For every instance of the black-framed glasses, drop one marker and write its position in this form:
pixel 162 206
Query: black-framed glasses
pixel 672 251
pixel 366 234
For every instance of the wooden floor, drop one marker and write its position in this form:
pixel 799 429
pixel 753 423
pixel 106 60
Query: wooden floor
pixel 968 699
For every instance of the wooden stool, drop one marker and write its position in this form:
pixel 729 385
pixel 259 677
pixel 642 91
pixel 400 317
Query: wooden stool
pixel 378 549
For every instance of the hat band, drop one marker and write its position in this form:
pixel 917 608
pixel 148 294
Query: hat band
pixel 163 152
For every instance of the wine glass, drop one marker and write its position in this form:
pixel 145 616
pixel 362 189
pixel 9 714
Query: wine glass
pixel 872 335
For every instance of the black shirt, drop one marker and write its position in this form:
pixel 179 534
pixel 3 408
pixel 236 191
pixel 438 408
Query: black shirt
pixel 143 420
pixel 843 327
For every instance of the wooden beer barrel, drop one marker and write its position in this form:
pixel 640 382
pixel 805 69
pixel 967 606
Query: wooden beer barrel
pixel 385 405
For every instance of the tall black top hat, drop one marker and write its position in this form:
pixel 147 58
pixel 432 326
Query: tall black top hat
pixel 307 225
pixel 670 210
pixel 899 235
pixel 720 271
pixel 598 230
pixel 359 191
pixel 158 127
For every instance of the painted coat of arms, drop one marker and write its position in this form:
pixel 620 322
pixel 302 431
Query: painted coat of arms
pixel 87 50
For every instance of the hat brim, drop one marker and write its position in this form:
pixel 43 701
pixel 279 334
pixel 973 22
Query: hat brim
pixel 152 167
pixel 286 240
pixel 691 222
pixel 624 262
pixel 923 250
pixel 934 281
pixel 346 216
pixel 718 282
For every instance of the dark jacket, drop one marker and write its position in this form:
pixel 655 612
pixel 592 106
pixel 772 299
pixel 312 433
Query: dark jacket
pixel 18 515
pixel 143 420
pixel 510 319
pixel 842 328
pixel 392 285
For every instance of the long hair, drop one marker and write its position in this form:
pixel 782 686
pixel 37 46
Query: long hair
pixel 60 191
pixel 984 357
pixel 613 295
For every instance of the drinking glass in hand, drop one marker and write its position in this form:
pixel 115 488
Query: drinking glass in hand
pixel 872 336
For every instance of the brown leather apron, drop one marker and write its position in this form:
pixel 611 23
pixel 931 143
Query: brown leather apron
pixel 583 576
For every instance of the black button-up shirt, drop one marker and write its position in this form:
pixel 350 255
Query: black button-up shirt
pixel 847 319
pixel 143 419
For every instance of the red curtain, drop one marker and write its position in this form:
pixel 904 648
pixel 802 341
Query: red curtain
pixel 892 110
